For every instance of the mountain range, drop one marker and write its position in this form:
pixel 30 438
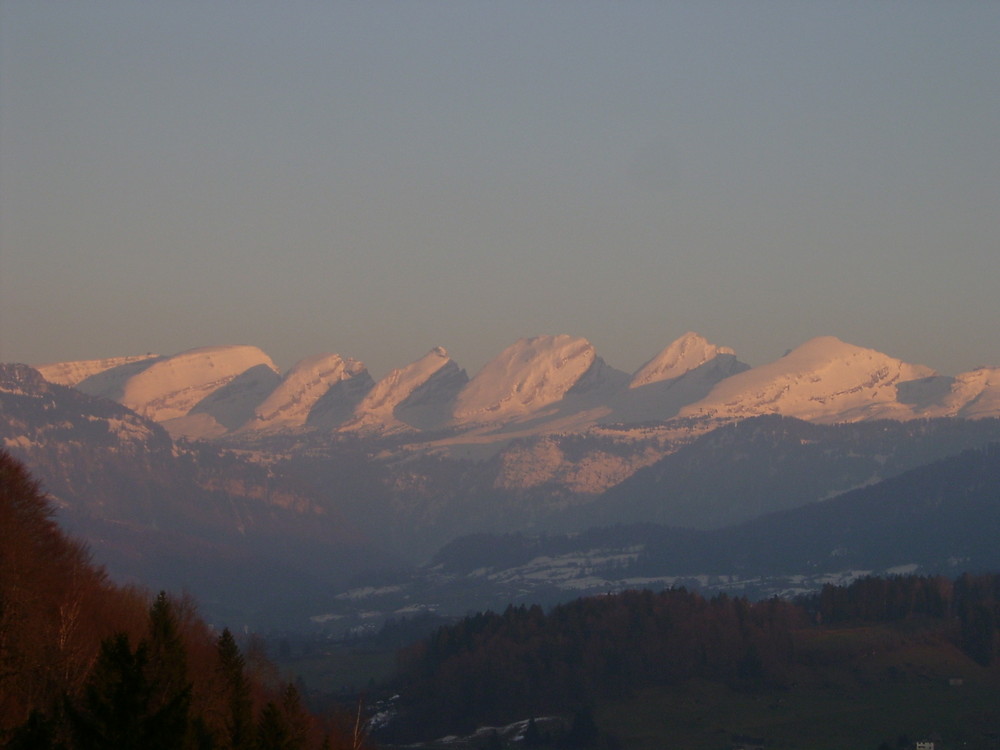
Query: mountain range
pixel 267 493
pixel 545 384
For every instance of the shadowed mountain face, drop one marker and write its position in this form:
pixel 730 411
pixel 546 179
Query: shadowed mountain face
pixel 765 464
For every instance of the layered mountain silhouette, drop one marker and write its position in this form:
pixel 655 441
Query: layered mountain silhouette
pixel 545 384
pixel 211 470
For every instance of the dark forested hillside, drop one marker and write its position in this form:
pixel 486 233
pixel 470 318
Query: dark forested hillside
pixel 85 663
pixel 494 668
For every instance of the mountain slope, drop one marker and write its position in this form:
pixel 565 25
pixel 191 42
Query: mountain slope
pixel 536 386
pixel 172 387
pixel 824 380
pixel 683 373
pixel 687 353
pixel 301 390
pixel 419 395
pixel 75 373
pixel 524 378
pixel 770 463
pixel 971 395
pixel 941 517
pixel 229 407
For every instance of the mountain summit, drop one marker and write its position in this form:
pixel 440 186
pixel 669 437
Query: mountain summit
pixel 418 396
pixel 823 380
pixel 687 353
pixel 524 378
pixel 541 385
pixel 311 384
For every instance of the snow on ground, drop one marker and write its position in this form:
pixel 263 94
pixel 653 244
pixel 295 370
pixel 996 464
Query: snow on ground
pixel 378 408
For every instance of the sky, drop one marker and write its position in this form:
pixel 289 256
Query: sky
pixel 378 178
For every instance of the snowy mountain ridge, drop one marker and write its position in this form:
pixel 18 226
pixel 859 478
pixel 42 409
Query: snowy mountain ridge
pixel 390 404
pixel 823 380
pixel 540 385
pixel 527 376
pixel 302 387
pixel 74 373
pixel 687 353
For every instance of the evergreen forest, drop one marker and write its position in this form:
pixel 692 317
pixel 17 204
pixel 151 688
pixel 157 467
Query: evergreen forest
pixel 88 664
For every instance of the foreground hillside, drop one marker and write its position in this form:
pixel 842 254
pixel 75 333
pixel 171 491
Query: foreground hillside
pixel 85 663
pixel 847 667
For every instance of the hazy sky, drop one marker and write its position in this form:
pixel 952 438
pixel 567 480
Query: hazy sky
pixel 377 178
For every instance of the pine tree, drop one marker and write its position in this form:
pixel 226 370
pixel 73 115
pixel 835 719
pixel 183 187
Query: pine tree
pixel 284 725
pixel 272 730
pixel 239 727
pixel 296 716
pixel 39 732
pixel 167 672
pixel 117 708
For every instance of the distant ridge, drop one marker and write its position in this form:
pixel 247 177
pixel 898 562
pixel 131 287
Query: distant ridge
pixel 540 385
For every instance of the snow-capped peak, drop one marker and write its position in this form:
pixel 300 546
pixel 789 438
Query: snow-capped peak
pixel 527 376
pixel 823 380
pixel 74 373
pixel 683 355
pixel 977 393
pixel 301 388
pixel 378 408
pixel 171 387
pixel 970 395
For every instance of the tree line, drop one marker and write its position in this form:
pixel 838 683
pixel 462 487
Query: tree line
pixel 86 663
pixel 492 668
